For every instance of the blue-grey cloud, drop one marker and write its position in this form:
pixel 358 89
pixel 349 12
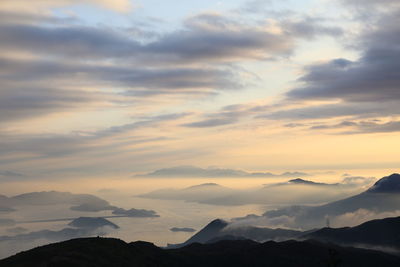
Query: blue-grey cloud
pixel 6 173
pixel 210 123
pixel 373 127
pixel 364 89
pixel 374 77
pixel 60 145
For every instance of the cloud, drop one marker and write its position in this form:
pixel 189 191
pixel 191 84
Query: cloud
pixel 190 44
pixel 23 103
pixel 195 59
pixel 362 127
pixel 210 123
pixel 183 229
pixel 360 216
pixel 369 3
pixel 6 173
pixel 356 92
pixel 18 17
pixel 371 78
pixel 117 5
pixel 59 145
pixel 309 28
pixel 345 109
pixel 226 115
pixel 25 90
pixel 203 38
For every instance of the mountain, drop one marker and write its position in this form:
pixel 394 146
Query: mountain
pixel 79 202
pixel 221 230
pixel 192 171
pixel 292 191
pixel 113 252
pixel 383 196
pixel 384 233
pixel 389 184
pixel 210 231
pixel 92 222
pixel 307 182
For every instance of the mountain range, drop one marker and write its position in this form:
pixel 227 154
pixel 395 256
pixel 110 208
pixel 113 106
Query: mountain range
pixel 235 243
pixel 383 196
pixel 295 190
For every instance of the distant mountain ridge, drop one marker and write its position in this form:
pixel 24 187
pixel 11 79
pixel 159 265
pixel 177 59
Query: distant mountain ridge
pixel 383 233
pixel 221 230
pixel 383 196
pixel 192 171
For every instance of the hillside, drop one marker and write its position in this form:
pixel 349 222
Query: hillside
pixel 113 252
pixel 384 233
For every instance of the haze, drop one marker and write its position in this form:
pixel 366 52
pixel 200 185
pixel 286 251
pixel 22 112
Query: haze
pixel 170 114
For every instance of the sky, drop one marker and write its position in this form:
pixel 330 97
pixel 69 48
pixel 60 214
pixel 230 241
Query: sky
pixel 102 88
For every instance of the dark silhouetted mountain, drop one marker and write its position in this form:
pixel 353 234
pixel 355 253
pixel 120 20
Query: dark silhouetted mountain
pixel 210 231
pixel 183 229
pixel 218 229
pixel 389 184
pixel 262 234
pixel 101 252
pixel 381 197
pixel 135 213
pixel 225 237
pixel 91 222
pixel 376 233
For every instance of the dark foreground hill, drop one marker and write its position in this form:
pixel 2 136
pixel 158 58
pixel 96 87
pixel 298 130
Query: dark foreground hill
pixel 113 252
pixel 383 234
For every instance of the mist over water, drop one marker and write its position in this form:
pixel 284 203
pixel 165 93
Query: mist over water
pixel 124 193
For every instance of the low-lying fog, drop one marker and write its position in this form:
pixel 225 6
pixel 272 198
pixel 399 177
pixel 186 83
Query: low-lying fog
pixel 179 203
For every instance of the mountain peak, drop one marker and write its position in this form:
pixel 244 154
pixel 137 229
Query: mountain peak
pixel 217 223
pixel 301 181
pixel 388 184
pixel 209 231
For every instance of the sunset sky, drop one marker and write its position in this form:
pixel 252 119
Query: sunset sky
pixel 99 88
